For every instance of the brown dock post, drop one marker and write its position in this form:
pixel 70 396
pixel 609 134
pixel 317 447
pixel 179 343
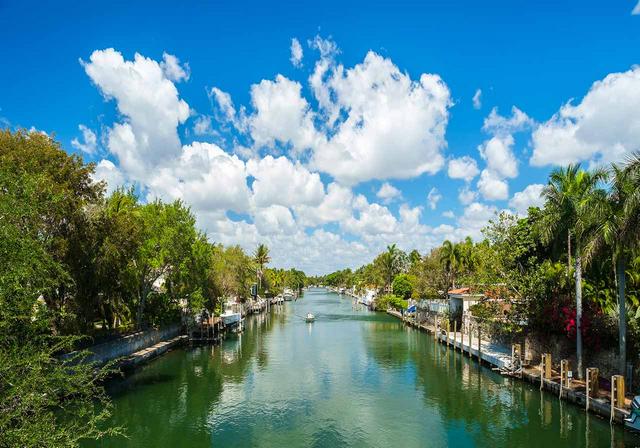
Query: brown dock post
pixel 617 394
pixel 462 336
pixel 592 384
pixel 479 345
pixel 545 368
pixel 564 375
pixel 448 331
pixel 455 333
pixel 470 338
pixel 516 354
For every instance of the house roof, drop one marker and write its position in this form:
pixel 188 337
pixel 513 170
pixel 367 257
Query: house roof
pixel 459 291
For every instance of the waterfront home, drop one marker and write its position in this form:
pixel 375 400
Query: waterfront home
pixel 461 299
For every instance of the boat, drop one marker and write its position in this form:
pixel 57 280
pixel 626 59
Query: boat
pixel 310 317
pixel 288 294
pixel 230 317
pixel 633 421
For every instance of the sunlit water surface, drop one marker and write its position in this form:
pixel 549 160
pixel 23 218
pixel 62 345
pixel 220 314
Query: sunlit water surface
pixel 352 378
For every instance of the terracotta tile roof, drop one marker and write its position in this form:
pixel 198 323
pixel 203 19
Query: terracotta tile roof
pixel 459 291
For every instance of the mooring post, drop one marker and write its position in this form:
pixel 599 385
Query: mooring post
pixel 617 394
pixel 448 331
pixel 592 384
pixel 564 375
pixel 479 345
pixel 516 355
pixel 545 368
pixel 455 333
pixel 470 338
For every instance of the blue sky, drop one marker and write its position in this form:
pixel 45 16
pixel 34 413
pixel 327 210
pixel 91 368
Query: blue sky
pixel 273 164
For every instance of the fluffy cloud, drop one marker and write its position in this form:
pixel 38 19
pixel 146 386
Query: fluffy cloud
pixel 274 220
pixel 335 207
pixel 636 10
pixel 466 195
pixel 477 99
pixel 464 167
pixel 107 172
pixel 388 192
pixel 603 127
pixel 492 187
pixel 393 127
pixel 150 104
pixel 497 152
pixel 224 107
pixel 296 53
pixel 89 141
pixel 205 177
pixel 280 181
pixel 172 68
pixel 499 125
pixel 448 214
pixel 281 114
pixel 202 126
pixel 474 218
pixel 529 197
pixel 371 219
pixel 433 198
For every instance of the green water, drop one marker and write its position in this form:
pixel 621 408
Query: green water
pixel 352 378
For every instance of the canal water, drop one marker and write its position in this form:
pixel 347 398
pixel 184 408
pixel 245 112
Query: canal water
pixel 352 378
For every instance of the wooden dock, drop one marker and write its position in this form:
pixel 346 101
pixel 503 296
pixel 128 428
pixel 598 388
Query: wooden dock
pixel 499 358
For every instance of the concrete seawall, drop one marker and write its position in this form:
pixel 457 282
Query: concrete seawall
pixel 131 344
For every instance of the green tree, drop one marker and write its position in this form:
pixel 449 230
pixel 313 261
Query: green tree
pixel 45 400
pixel 569 195
pixel 403 286
pixel 450 259
pixel 261 258
pixel 616 232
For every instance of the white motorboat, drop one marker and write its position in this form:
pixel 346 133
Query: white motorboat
pixel 231 316
pixel 288 294
pixel 310 317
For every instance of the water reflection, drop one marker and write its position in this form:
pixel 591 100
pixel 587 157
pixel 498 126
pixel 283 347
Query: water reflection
pixel 352 378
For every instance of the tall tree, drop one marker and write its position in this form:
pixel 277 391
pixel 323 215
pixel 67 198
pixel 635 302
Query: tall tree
pixel 261 258
pixel 616 231
pixel 450 260
pixel 569 195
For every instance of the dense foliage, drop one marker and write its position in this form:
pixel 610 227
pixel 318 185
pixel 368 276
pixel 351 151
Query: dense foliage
pixel 569 268
pixel 78 265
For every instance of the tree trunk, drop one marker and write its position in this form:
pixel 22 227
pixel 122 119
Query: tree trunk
pixel 568 252
pixel 579 310
pixel 141 303
pixel 622 315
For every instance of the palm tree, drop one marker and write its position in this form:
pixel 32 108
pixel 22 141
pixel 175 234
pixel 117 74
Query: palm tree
pixel 570 195
pixel 261 258
pixel 450 259
pixel 390 263
pixel 613 232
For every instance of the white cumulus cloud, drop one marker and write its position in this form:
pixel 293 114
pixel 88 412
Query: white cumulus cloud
pixel 89 141
pixel 388 192
pixel 280 181
pixel 464 167
pixel 529 197
pixel 150 104
pixel 477 99
pixel 603 127
pixel 296 53
pixel 433 198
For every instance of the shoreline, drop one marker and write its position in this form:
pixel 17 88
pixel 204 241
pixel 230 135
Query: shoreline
pixel 499 360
